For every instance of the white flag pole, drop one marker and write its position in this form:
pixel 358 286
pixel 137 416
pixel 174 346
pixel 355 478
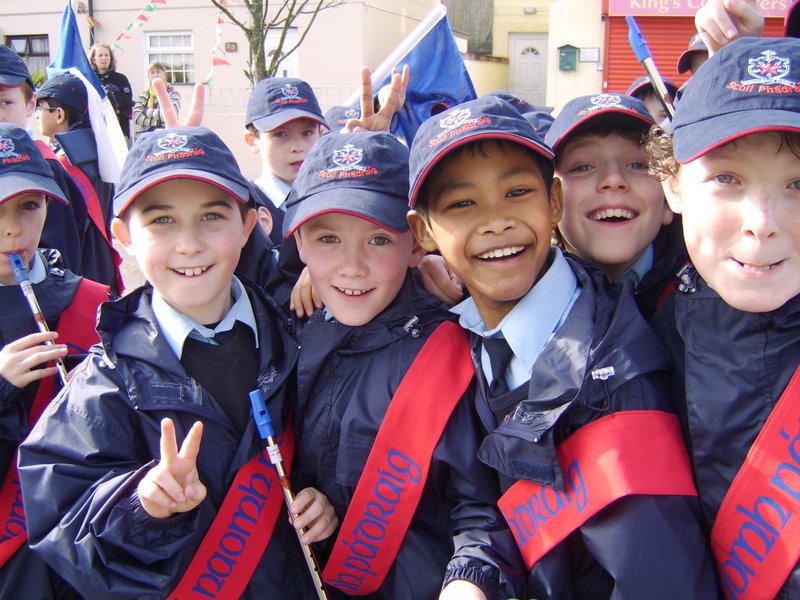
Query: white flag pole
pixel 412 39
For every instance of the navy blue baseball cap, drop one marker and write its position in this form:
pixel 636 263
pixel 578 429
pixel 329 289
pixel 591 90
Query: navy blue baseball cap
pixel 640 84
pixel 515 100
pixel 278 100
pixel 337 116
pixel 23 169
pixel 182 153
pixel 486 118
pixel 696 46
pixel 611 110
pixel 751 85
pixel 66 89
pixel 792 23
pixel 360 174
pixel 13 70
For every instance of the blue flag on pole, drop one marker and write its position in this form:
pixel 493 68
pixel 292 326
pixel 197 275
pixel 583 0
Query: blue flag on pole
pixel 438 77
pixel 70 51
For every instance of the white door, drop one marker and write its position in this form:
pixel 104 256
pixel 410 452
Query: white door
pixel 527 73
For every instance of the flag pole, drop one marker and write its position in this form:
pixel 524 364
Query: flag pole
pixel 412 39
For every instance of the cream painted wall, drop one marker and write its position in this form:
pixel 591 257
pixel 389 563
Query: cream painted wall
pixel 341 41
pixel 576 22
pixel 487 76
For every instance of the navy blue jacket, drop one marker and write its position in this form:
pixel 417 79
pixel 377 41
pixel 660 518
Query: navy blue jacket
pixel 639 546
pixel 26 575
pixel 81 465
pixel 731 369
pixel 346 379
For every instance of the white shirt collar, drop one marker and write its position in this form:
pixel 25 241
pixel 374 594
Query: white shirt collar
pixel 176 326
pixel 276 189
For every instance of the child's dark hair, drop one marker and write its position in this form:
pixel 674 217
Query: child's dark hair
pixel 661 154
pixel 544 165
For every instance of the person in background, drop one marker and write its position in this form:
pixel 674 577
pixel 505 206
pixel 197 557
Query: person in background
pixel 115 84
pixel 147 114
pixel 642 88
pixel 694 56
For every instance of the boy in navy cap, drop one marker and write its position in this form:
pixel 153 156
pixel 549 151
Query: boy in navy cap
pixel 642 88
pixel 615 215
pixel 732 168
pixel 694 56
pixel 362 355
pixel 282 123
pixel 28 377
pixel 126 500
pixel 568 372
pixel 65 226
pixel 62 109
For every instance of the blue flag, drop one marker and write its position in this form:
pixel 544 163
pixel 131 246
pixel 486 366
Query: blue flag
pixel 438 78
pixel 70 51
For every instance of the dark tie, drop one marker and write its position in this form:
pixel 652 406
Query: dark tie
pixel 500 354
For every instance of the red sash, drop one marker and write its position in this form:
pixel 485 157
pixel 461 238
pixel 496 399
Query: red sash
pixel 76 325
pixel 756 535
pixel 92 205
pixel 235 542
pixel 602 461
pixel 391 483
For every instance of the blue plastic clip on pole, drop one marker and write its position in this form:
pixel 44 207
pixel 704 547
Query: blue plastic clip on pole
pixel 21 275
pixel 267 433
pixel 643 55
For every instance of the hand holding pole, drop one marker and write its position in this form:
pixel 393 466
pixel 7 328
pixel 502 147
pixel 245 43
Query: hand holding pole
pixel 21 275
pixel 267 433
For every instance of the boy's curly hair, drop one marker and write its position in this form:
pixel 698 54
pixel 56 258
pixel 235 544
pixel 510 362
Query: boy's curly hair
pixel 660 154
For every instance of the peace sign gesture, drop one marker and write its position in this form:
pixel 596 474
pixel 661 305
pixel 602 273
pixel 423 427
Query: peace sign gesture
pixel 173 485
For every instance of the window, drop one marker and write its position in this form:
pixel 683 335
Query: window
pixel 530 51
pixel 175 50
pixel 34 50
pixel 289 66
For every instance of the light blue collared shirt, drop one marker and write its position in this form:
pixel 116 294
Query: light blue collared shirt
pixel 37 272
pixel 639 268
pixel 276 189
pixel 176 326
pixel 530 324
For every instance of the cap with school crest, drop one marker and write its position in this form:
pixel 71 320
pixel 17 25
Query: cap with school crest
pixel 696 46
pixel 337 117
pixel 278 100
pixel 67 89
pixel 486 118
pixel 182 153
pixel 611 110
pixel 23 169
pixel 360 174
pixel 640 84
pixel 751 85
pixel 13 70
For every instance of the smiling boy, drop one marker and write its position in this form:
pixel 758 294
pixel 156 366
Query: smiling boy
pixel 153 440
pixel 732 170
pixel 359 358
pixel 566 369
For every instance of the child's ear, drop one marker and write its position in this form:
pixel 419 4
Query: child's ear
pixel 417 253
pixel 251 140
pixel 419 225
pixel 556 201
pixel 249 222
pixel 298 239
pixel 265 219
pixel 61 116
pixel 119 229
pixel 670 187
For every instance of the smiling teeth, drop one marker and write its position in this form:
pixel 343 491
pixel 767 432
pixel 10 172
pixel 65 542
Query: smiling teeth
pixel 349 292
pixel 191 272
pixel 613 213
pixel 502 252
pixel 757 268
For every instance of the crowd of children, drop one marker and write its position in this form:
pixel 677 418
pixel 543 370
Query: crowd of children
pixel 609 411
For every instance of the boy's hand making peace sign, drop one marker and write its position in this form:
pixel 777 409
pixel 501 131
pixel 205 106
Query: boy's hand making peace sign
pixel 173 485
